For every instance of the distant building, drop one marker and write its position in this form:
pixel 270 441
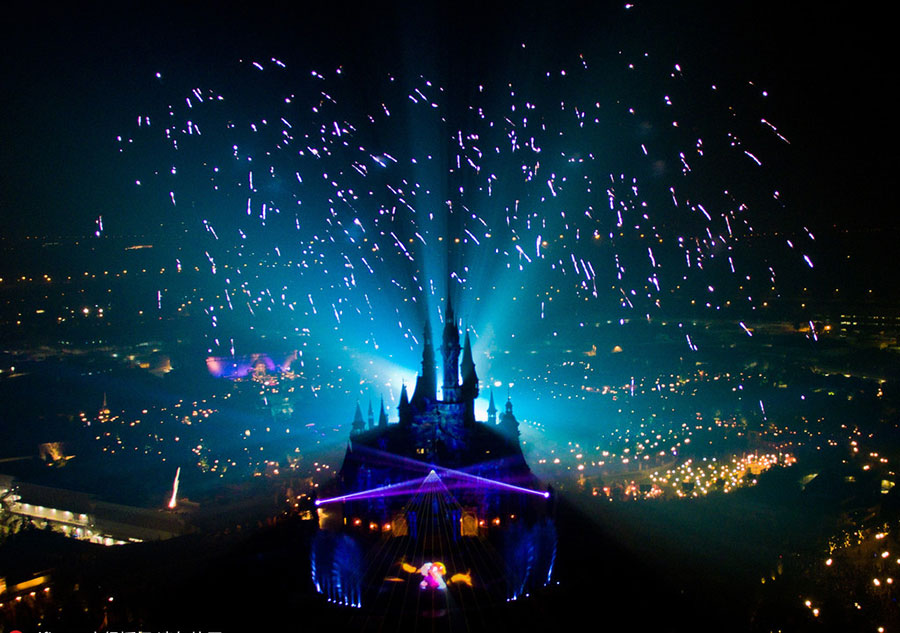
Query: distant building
pixel 83 516
pixel 880 329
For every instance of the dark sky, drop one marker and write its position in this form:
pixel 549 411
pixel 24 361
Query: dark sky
pixel 73 78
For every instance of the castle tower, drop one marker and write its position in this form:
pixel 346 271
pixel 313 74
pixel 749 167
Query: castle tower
pixel 382 416
pixel 509 426
pixel 450 351
pixel 428 365
pixel 492 411
pixel 404 410
pixel 371 416
pixel 469 389
pixel 426 382
pixel 358 425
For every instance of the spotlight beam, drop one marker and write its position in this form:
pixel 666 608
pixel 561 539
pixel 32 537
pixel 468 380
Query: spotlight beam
pixel 441 470
pixel 398 488
pixel 391 490
pixel 493 482
pixel 414 464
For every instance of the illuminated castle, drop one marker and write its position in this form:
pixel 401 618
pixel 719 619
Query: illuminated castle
pixel 440 432
pixel 437 490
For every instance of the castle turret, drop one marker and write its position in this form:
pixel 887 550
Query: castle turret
pixel 404 410
pixel 428 364
pixel 371 416
pixel 358 425
pixel 509 426
pixel 469 389
pixel 492 411
pixel 426 382
pixel 382 416
pixel 450 351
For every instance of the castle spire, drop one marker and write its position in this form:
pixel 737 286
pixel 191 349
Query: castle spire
pixel 382 416
pixel 358 425
pixel 404 410
pixel 468 366
pixel 428 364
pixel 492 410
pixel 450 351
pixel 448 310
pixel 469 390
pixel 426 382
pixel 509 426
pixel 371 416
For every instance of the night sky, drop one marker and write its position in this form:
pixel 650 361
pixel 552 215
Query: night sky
pixel 616 197
pixel 545 163
pixel 74 78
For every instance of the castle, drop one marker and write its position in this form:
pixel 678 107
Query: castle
pixel 438 485
pixel 433 432
pixel 442 431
